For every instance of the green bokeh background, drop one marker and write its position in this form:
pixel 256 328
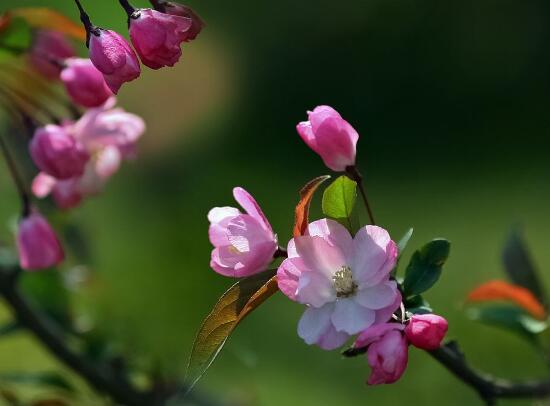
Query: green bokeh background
pixel 451 101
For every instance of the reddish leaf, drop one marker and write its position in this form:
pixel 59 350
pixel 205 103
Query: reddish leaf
pixel 5 20
pixel 234 305
pixel 46 18
pixel 501 290
pixel 302 208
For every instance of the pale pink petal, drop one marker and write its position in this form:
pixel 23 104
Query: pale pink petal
pixel 332 339
pixel 320 114
pixel 315 322
pixel 320 256
pixel 250 205
pixel 42 185
pixel 375 255
pixel 107 162
pixel 335 234
pixel 385 314
pixel 288 276
pixel 350 317
pixel 315 289
pixel 378 296
pixel 306 133
pixel 217 214
pixel 375 332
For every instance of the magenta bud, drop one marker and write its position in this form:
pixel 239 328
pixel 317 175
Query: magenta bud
pixel 113 56
pixel 157 37
pixel 177 9
pixel 37 243
pixel 84 83
pixel 57 153
pixel 48 50
pixel 426 331
pixel 330 136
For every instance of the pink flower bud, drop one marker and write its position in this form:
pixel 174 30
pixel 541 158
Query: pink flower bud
pixel 57 153
pixel 387 352
pixel 426 331
pixel 244 244
pixel 112 55
pixel 48 50
pixel 84 83
pixel 37 243
pixel 157 37
pixel 177 9
pixel 332 137
pixel 65 193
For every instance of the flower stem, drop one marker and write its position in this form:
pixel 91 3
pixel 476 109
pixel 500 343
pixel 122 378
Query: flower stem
pixel 354 174
pixel 85 18
pixel 127 7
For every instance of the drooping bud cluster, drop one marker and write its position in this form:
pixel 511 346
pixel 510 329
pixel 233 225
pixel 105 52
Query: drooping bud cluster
pixel 104 136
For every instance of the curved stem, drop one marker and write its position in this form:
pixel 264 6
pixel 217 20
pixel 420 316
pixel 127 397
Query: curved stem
pixel 489 388
pixel 127 7
pixel 354 174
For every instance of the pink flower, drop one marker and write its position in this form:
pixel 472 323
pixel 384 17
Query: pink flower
pixel 48 50
pixel 177 9
pixel 387 352
pixel 426 331
pixel 37 243
pixel 332 137
pixel 109 135
pixel 344 281
pixel 57 153
pixel 244 244
pixel 157 37
pixel 109 126
pixel 112 55
pixel 84 83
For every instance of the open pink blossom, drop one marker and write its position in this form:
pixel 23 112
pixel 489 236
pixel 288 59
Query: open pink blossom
pixel 332 137
pixel 57 153
pixel 244 244
pixel 157 37
pixel 387 352
pixel 178 9
pixel 84 83
pixel 113 56
pixel 344 281
pixel 47 52
pixel 37 244
pixel 426 331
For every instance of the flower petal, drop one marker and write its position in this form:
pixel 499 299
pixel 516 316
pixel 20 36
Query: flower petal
pixel 315 289
pixel 378 296
pixel 250 205
pixel 335 234
pixel 319 256
pixel 350 317
pixel 315 322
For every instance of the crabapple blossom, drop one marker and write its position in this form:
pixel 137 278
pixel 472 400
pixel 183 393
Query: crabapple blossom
pixel 84 83
pixel 49 48
pixel 244 244
pixel 113 56
pixel 178 9
pixel 157 36
pixel 109 135
pixel 344 281
pixel 37 243
pixel 426 331
pixel 58 153
pixel 387 352
pixel 330 136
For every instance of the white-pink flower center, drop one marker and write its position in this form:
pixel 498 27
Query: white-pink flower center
pixel 343 282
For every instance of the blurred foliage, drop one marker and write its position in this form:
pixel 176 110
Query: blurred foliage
pixel 451 101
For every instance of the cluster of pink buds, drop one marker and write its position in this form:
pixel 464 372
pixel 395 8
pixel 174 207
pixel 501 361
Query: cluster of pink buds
pixel 344 280
pixel 156 34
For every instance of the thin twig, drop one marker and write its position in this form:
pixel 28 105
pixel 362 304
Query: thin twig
pixel 354 174
pixel 17 179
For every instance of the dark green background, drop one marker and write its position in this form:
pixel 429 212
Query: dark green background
pixel 451 101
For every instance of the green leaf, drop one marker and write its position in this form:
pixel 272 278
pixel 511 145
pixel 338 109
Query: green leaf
pixel 404 241
pixel 339 200
pixel 234 305
pixel 51 379
pixel 519 267
pixel 425 267
pixel 510 318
